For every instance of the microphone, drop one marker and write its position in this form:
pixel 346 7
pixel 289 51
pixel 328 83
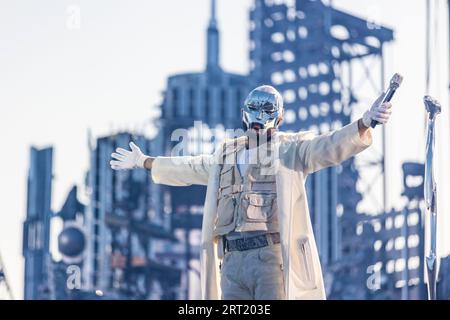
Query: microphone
pixel 396 81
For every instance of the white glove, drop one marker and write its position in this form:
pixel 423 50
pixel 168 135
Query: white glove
pixel 128 159
pixel 378 112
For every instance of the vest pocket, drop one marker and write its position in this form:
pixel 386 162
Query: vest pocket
pixel 226 176
pixel 307 274
pixel 258 207
pixel 225 211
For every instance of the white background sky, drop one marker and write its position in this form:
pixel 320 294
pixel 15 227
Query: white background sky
pixel 56 82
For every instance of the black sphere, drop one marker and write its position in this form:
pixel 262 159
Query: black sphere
pixel 71 242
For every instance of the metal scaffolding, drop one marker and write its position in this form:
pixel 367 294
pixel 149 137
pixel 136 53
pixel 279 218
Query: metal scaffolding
pixel 313 54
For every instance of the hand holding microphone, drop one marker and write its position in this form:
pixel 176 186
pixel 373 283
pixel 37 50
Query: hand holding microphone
pixel 379 113
pixel 381 108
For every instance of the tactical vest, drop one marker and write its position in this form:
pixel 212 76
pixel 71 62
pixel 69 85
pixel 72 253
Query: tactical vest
pixel 245 202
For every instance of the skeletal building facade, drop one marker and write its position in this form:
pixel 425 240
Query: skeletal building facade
pixel 197 106
pixel 36 228
pixel 127 232
pixel 305 48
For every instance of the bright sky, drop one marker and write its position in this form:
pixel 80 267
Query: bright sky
pixel 58 81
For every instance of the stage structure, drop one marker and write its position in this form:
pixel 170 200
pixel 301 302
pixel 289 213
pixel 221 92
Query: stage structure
pixel 127 232
pixel 320 58
pixel 36 228
pixel 205 104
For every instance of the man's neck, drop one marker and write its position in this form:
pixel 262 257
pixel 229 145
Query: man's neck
pixel 256 139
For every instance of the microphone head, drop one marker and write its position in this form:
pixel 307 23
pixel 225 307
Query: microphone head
pixel 396 81
pixel 432 105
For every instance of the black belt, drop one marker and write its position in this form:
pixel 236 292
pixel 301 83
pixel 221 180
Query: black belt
pixel 255 242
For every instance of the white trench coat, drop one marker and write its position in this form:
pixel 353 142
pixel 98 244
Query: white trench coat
pixel 300 154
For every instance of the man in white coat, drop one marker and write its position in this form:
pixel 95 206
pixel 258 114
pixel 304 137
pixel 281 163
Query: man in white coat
pixel 257 239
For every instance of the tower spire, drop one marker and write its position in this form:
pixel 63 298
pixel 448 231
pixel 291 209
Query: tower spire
pixel 213 11
pixel 212 54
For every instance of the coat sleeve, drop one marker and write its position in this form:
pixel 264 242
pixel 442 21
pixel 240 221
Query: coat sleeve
pixel 182 171
pixel 332 148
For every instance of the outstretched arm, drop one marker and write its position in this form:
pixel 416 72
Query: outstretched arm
pixel 181 170
pixel 317 152
pixel 175 171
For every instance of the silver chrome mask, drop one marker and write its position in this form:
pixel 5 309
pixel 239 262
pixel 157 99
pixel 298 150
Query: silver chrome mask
pixel 264 106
